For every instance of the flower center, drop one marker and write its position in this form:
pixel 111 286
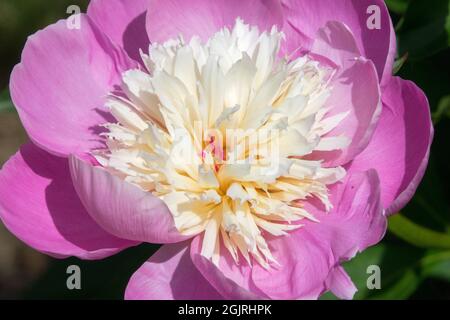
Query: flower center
pixel 221 131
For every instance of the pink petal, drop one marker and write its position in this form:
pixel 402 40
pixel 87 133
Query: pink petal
pixel 400 147
pixel 309 254
pixel 121 208
pixel 170 274
pixel 308 257
pixel 40 206
pixel 167 19
pixel 304 17
pixel 336 42
pixel 123 21
pixel 340 284
pixel 305 262
pixel 357 220
pixel 61 84
pixel 355 90
pixel 232 281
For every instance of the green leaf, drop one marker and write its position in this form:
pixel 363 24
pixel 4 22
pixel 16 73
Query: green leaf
pixel 5 102
pixel 398 6
pixel 399 63
pixel 417 235
pixel 403 270
pixel 429 206
pixel 357 268
pixel 443 109
pixel 402 289
pixel 447 26
pixel 436 265
pixel 394 260
pixel 425 29
pixel 431 75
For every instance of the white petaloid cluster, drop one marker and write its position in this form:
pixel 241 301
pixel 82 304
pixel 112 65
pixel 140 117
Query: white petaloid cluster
pixel 220 132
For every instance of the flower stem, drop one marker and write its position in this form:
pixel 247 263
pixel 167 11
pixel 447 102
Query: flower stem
pixel 417 235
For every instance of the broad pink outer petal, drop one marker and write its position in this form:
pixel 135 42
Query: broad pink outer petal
pixel 121 208
pixel 308 257
pixel 304 17
pixel 123 21
pixel 400 147
pixel 167 19
pixel 170 274
pixel 61 84
pixel 40 206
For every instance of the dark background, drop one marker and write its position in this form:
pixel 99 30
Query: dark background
pixel 414 257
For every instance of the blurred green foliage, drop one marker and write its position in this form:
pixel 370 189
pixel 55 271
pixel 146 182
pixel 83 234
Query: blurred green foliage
pixel 414 257
pixel 5 102
pixel 104 279
pixel 424 29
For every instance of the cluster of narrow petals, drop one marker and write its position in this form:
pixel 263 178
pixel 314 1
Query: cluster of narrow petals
pixel 221 132
pixel 262 143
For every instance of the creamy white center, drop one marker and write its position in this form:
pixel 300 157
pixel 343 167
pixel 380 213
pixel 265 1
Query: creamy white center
pixel 220 132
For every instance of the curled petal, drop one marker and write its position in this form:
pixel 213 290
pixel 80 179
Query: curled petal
pixel 121 208
pixel 304 17
pixel 340 284
pixel 336 42
pixel 356 93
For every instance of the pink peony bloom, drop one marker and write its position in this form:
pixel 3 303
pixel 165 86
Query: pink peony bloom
pixel 114 107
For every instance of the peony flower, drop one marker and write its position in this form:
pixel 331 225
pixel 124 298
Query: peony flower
pixel 142 124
